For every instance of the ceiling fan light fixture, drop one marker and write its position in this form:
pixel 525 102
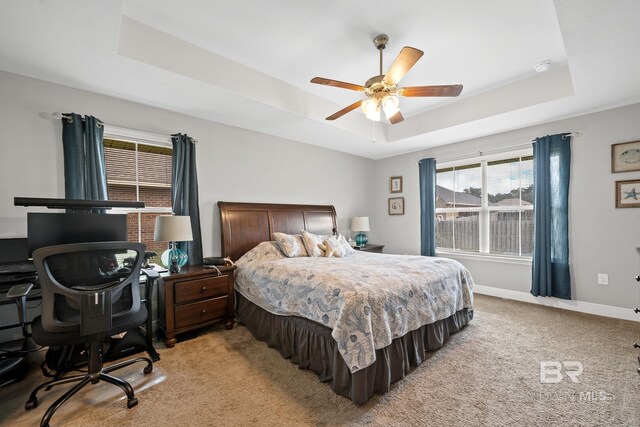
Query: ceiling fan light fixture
pixel 390 106
pixel 371 109
pixel 382 90
pixel 375 115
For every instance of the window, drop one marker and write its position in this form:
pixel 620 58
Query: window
pixel 140 172
pixel 486 207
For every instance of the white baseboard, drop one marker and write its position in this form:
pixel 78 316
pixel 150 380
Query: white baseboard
pixel 581 306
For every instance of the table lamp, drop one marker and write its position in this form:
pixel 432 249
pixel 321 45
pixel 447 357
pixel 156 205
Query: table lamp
pixel 360 223
pixel 173 229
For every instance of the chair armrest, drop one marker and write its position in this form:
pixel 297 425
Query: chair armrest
pixel 19 291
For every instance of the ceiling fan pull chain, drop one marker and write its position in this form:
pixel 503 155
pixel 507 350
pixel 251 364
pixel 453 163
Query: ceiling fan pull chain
pixel 374 131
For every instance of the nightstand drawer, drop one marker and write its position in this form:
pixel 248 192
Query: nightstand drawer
pixel 202 311
pixel 184 295
pixel 200 289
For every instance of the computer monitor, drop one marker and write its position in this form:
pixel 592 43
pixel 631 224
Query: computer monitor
pixel 13 250
pixel 48 229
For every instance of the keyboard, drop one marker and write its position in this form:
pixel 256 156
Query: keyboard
pixel 19 267
pixel 16 272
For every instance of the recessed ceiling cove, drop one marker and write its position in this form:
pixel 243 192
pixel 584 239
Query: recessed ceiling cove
pixel 249 64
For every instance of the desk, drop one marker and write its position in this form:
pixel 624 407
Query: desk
pixel 9 315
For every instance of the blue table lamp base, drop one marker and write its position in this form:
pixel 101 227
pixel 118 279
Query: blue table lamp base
pixel 361 239
pixel 174 259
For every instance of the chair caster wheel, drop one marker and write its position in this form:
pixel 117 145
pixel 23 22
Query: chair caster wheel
pixel 148 369
pixel 31 404
pixel 132 402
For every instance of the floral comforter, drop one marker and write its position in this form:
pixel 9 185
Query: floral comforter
pixel 366 299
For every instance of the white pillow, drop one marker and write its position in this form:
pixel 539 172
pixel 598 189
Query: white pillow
pixel 311 242
pixel 291 244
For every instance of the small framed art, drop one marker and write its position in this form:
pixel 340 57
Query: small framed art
pixel 396 206
pixel 625 157
pixel 628 194
pixel 395 184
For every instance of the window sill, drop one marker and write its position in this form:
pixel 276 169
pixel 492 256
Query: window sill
pixel 485 257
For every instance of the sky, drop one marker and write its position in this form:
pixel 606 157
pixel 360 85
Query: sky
pixel 502 178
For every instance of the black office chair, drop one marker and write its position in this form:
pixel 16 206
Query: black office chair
pixel 88 295
pixel 14 364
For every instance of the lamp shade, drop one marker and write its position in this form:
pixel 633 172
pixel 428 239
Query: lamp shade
pixel 173 228
pixel 360 223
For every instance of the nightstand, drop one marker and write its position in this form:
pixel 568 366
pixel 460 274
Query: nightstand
pixel 194 298
pixel 369 247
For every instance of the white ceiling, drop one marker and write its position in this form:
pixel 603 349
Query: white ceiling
pixel 248 63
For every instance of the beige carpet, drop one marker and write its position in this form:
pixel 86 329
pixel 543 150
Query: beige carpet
pixel 488 374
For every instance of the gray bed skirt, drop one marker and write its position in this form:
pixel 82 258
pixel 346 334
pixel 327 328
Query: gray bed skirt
pixel 311 346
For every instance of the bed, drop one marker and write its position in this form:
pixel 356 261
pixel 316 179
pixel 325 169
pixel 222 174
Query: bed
pixel 361 322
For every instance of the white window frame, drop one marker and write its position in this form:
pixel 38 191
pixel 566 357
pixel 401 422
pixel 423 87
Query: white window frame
pixel 145 138
pixel 485 210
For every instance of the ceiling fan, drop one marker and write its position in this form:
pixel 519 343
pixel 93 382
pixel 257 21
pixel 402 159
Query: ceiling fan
pixel 382 91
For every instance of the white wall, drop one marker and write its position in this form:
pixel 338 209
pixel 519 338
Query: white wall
pixel 240 165
pixel 233 164
pixel 603 239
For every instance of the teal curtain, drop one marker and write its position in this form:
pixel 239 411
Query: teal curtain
pixel 427 170
pixel 184 195
pixel 552 164
pixel 85 175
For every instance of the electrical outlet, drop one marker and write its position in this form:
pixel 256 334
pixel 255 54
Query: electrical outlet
pixel 603 279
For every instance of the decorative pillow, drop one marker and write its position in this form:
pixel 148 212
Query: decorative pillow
pixel 291 244
pixel 311 242
pixel 329 250
pixel 339 246
pixel 346 247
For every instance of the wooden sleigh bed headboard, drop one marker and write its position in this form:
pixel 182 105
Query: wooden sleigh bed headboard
pixel 244 225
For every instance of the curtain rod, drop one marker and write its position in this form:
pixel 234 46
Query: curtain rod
pixel 564 136
pixel 496 150
pixel 60 116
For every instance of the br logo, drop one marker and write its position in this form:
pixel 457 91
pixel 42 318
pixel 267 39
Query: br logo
pixel 552 372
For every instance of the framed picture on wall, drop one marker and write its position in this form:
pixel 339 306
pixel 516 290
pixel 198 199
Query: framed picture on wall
pixel 396 206
pixel 395 184
pixel 625 157
pixel 628 194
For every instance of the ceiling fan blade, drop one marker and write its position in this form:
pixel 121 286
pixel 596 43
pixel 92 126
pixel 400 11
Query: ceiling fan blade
pixel 396 118
pixel 344 110
pixel 406 59
pixel 443 90
pixel 337 83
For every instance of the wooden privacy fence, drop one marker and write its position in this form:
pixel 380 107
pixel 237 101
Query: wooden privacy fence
pixel 503 235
